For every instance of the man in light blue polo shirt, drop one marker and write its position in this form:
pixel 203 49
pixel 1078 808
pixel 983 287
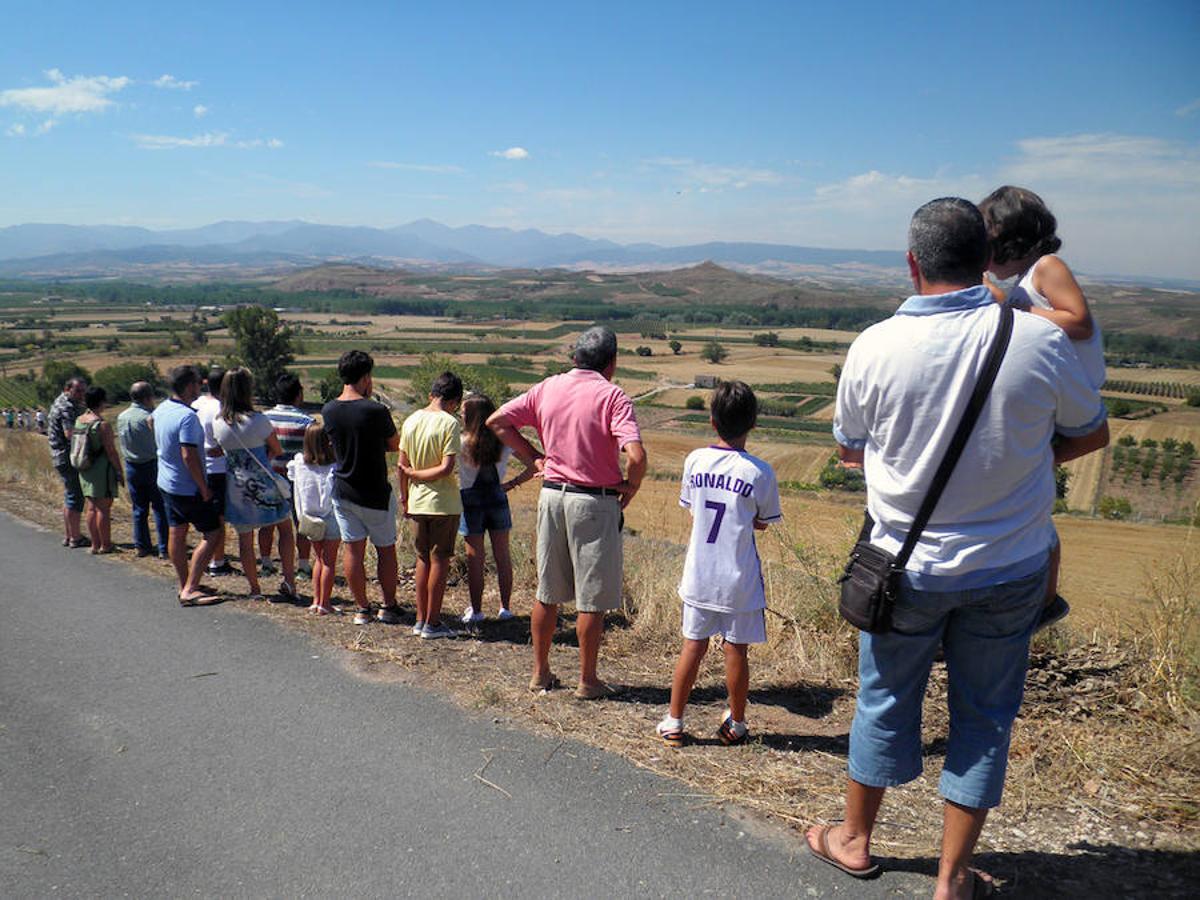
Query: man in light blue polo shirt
pixel 975 582
pixel 135 432
pixel 179 438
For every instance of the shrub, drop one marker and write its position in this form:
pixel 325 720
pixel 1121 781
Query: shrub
pixel 714 352
pixel 1193 399
pixel 835 475
pixel 644 351
pixel 676 347
pixel 1149 442
pixel 55 373
pixel 118 379
pixel 1127 440
pixel 695 402
pixel 1115 508
pixel 767 339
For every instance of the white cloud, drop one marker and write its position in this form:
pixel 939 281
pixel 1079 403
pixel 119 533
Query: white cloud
pixel 171 83
pixel 1188 108
pixel 429 168
pixel 706 177
pixel 81 94
pixel 511 153
pixel 200 111
pixel 208 139
pixel 15 130
pixel 1100 159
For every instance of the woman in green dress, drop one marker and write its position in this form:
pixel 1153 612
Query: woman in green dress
pixel 100 479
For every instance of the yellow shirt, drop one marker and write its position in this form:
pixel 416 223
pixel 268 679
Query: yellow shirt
pixel 426 437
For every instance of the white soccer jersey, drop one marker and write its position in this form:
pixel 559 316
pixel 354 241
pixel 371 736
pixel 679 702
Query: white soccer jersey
pixel 725 491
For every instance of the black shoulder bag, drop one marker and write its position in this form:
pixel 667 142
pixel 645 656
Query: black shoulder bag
pixel 871 581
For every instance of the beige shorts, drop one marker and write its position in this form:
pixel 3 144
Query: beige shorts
pixel 579 551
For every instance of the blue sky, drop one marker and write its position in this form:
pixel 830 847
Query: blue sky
pixel 823 125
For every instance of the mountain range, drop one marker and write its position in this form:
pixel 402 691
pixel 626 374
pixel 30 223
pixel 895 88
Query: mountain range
pixel 40 249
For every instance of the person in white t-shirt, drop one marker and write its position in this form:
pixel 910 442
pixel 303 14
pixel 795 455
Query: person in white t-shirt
pixel 312 475
pixel 730 495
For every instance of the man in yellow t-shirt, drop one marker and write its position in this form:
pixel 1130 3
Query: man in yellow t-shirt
pixel 429 443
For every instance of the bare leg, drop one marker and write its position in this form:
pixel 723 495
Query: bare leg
pixel 961 826
pixel 542 623
pixel 356 572
pixel 218 555
pixel 246 554
pixel 439 568
pixel 850 842
pixel 303 548
pixel 266 541
pixel 737 679
pixel 177 550
pixel 421 576
pixel 71 523
pixel 504 570
pixel 318 570
pixel 104 508
pixel 326 556
pixel 93 524
pixel 287 551
pixel 589 629
pixel 200 557
pixel 387 570
pixel 687 667
pixel 475 560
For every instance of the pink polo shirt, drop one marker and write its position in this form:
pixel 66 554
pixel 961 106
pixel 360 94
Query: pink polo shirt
pixel 583 420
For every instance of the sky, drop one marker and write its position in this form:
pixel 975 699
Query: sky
pixel 815 124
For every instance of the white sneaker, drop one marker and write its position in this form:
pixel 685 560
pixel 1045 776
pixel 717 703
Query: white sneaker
pixel 504 615
pixel 418 628
pixel 389 615
pixel 470 617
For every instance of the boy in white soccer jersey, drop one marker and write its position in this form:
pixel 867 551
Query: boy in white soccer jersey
pixel 730 495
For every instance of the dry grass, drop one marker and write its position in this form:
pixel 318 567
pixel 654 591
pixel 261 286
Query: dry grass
pixel 1106 752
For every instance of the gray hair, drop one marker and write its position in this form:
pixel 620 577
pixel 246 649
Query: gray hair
pixel 141 392
pixel 75 381
pixel 595 349
pixel 948 239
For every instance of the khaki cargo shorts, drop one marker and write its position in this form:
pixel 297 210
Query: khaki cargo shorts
pixel 579 552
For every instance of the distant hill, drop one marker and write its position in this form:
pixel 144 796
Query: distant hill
pixel 45 248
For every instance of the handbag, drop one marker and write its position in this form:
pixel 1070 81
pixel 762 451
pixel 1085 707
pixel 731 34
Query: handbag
pixel 282 485
pixel 870 583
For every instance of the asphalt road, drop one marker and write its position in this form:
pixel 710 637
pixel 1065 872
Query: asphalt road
pixel 151 750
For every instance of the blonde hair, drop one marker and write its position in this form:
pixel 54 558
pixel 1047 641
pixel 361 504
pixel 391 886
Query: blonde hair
pixel 318 449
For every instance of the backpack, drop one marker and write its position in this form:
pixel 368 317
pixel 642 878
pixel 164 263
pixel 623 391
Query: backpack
pixel 82 454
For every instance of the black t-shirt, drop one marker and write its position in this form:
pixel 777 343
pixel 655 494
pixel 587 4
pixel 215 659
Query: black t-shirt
pixel 360 431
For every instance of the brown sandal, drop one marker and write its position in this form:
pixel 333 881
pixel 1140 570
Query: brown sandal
pixel 822 853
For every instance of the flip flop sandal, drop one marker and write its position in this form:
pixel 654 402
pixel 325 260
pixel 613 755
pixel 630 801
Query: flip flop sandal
pixel 672 737
pixel 539 687
pixel 980 887
pixel 727 736
pixel 825 856
pixel 198 600
pixel 595 693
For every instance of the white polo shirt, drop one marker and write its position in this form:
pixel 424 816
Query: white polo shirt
pixel 902 392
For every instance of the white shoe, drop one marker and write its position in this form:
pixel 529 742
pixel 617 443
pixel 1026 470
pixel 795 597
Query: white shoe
pixel 470 617
pixel 418 628
pixel 504 615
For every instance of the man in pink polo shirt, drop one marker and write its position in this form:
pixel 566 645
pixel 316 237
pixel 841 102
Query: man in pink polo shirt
pixel 584 421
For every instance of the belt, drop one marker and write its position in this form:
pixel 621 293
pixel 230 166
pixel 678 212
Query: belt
pixel 579 489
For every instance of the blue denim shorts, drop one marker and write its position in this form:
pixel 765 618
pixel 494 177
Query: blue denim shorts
pixel 486 512
pixel 985 633
pixel 357 523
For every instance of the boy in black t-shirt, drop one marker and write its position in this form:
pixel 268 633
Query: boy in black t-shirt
pixel 363 433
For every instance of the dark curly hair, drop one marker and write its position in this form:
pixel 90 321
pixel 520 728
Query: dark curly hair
pixel 1019 224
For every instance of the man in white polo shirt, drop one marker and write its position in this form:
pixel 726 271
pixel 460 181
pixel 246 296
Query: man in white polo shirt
pixel 975 582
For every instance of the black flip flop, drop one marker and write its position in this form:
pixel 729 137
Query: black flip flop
pixel 825 856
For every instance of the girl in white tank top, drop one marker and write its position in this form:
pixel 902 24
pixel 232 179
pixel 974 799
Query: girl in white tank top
pixel 1023 236
pixel 1022 233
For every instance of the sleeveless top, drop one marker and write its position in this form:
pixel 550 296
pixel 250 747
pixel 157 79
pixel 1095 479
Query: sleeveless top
pixel 1090 351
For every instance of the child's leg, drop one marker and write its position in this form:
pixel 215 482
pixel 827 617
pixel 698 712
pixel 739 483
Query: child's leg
pixel 475 562
pixel 1052 581
pixel 316 574
pixel 686 670
pixel 737 679
pixel 504 570
pixel 249 564
pixel 439 569
pixel 329 565
pixel 421 579
pixel 266 541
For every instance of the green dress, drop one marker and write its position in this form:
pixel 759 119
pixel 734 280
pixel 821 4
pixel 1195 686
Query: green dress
pixel 99 480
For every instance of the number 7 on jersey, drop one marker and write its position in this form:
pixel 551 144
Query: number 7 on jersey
pixel 719 509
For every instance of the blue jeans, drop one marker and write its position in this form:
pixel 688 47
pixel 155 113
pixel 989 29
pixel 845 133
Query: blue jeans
pixel 142 479
pixel 985 634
